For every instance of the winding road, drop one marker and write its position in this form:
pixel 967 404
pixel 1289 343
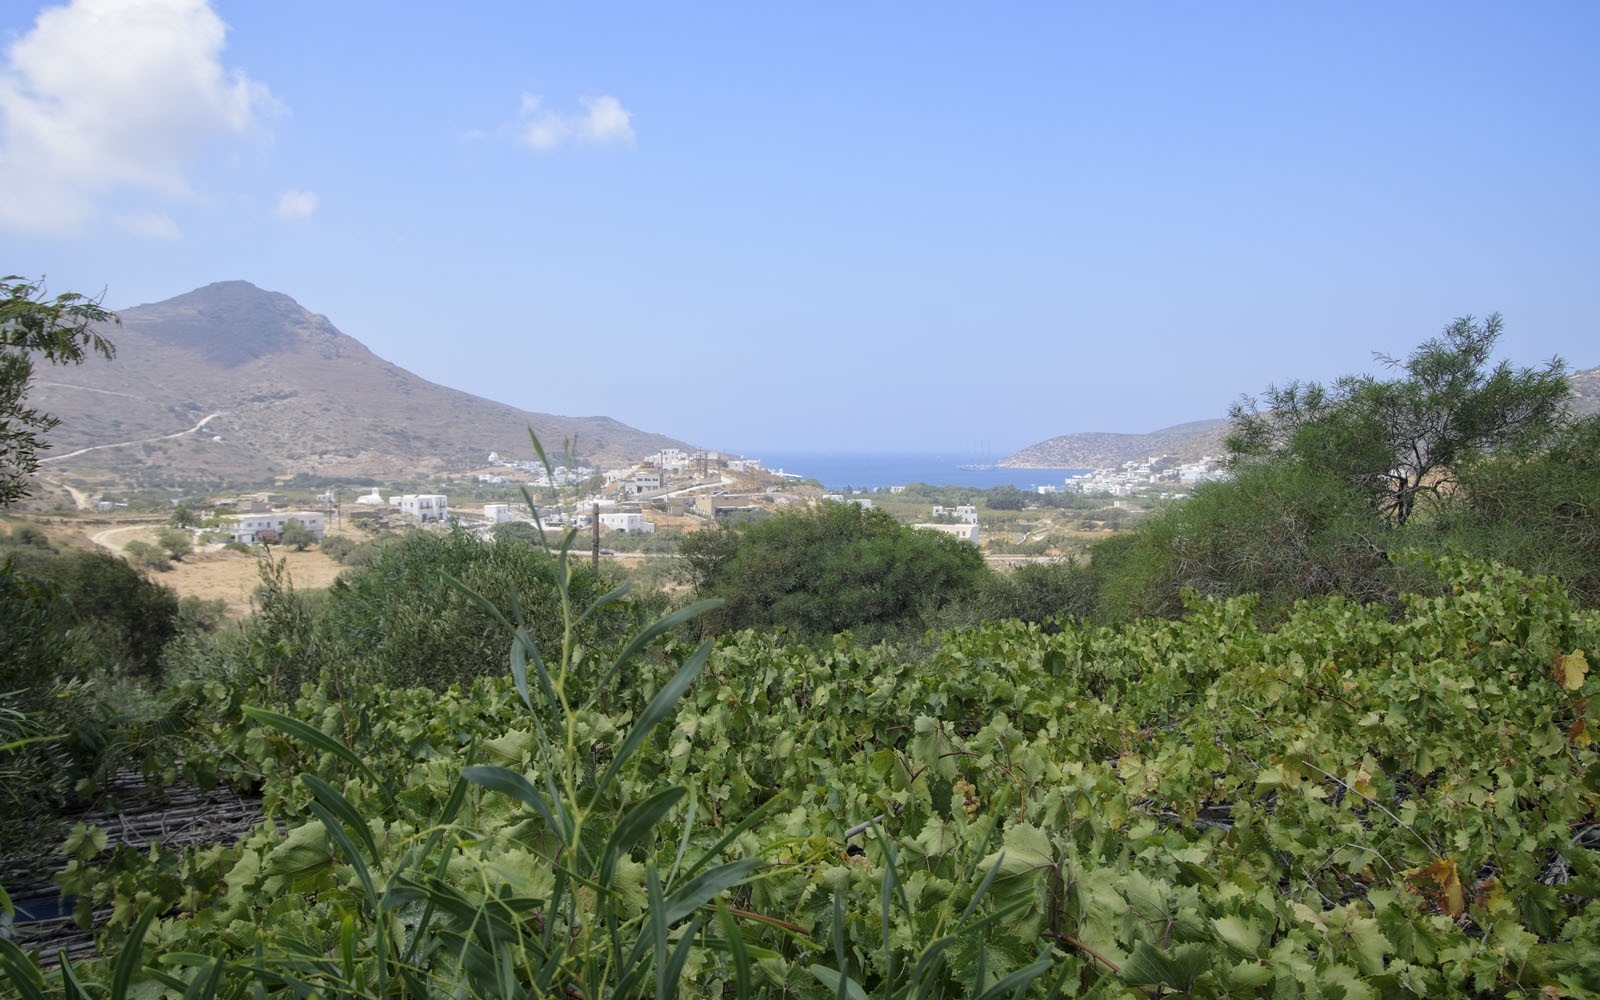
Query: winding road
pixel 123 444
pixel 81 499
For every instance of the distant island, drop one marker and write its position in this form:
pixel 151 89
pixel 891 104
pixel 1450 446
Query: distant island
pixel 1093 450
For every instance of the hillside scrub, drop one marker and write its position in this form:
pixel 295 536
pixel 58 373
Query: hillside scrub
pixel 1280 530
pixel 1534 508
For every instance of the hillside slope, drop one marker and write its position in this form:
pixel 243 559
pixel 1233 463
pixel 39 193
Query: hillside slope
pixel 286 392
pixel 1586 391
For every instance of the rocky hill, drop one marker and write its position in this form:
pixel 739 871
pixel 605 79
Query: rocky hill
pixel 1586 391
pixel 1185 442
pixel 280 391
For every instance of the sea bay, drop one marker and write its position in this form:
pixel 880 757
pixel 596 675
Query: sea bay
pixel 881 470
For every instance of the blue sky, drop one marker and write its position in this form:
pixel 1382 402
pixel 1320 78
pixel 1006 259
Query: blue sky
pixel 821 226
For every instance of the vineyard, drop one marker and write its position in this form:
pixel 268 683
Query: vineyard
pixel 1354 803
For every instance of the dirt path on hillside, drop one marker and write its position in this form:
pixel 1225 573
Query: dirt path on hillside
pixel 124 444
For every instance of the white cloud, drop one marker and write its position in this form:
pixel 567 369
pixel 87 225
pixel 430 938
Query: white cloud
pixel 108 97
pixel 296 205
pixel 604 120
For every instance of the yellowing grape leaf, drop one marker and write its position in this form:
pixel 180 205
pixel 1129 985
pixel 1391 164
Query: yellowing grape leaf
pixel 1579 733
pixel 1570 669
pixel 1446 893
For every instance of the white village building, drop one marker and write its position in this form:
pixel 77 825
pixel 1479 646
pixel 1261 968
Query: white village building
pixel 424 507
pixel 247 528
pixel 632 522
pixel 965 532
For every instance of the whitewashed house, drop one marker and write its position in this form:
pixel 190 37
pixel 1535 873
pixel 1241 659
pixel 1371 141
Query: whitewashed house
pixel 500 513
pixel 627 521
pixel 424 507
pixel 965 532
pixel 247 528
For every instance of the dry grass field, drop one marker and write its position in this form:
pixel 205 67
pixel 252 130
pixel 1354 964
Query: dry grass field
pixel 232 576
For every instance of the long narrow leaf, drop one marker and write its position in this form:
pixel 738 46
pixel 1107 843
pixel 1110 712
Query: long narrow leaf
pixel 20 970
pixel 347 847
pixel 703 888
pixel 538 522
pixel 983 889
pixel 638 822
pixel 481 601
pixel 205 982
pixel 734 936
pixel 347 948
pixel 839 956
pixel 1017 981
pixel 654 713
pixel 508 782
pixel 130 959
pixel 753 817
pixel 658 925
pixel 341 807
pixel 546 687
pixel 519 669
pixel 683 839
pixel 843 986
pixel 651 632
pixel 604 600
pixel 538 449
pixel 70 984
pixel 309 734
pixel 680 955
pixel 930 960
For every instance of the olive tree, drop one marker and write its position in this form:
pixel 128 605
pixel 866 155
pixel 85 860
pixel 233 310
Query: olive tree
pixel 297 535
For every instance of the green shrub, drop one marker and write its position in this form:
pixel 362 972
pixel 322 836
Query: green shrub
pixel 1535 509
pixel 1279 529
pixel 828 569
pixel 406 623
pixel 175 543
pixel 146 556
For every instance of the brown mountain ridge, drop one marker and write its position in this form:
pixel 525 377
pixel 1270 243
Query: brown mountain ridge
pixel 280 391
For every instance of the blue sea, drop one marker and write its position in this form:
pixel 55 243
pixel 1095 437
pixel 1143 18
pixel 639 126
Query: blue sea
pixel 869 471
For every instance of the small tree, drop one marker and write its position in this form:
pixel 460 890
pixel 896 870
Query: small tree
pixel 146 556
pixel 61 330
pixel 175 543
pixel 182 517
pixel 297 535
pixel 1400 439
